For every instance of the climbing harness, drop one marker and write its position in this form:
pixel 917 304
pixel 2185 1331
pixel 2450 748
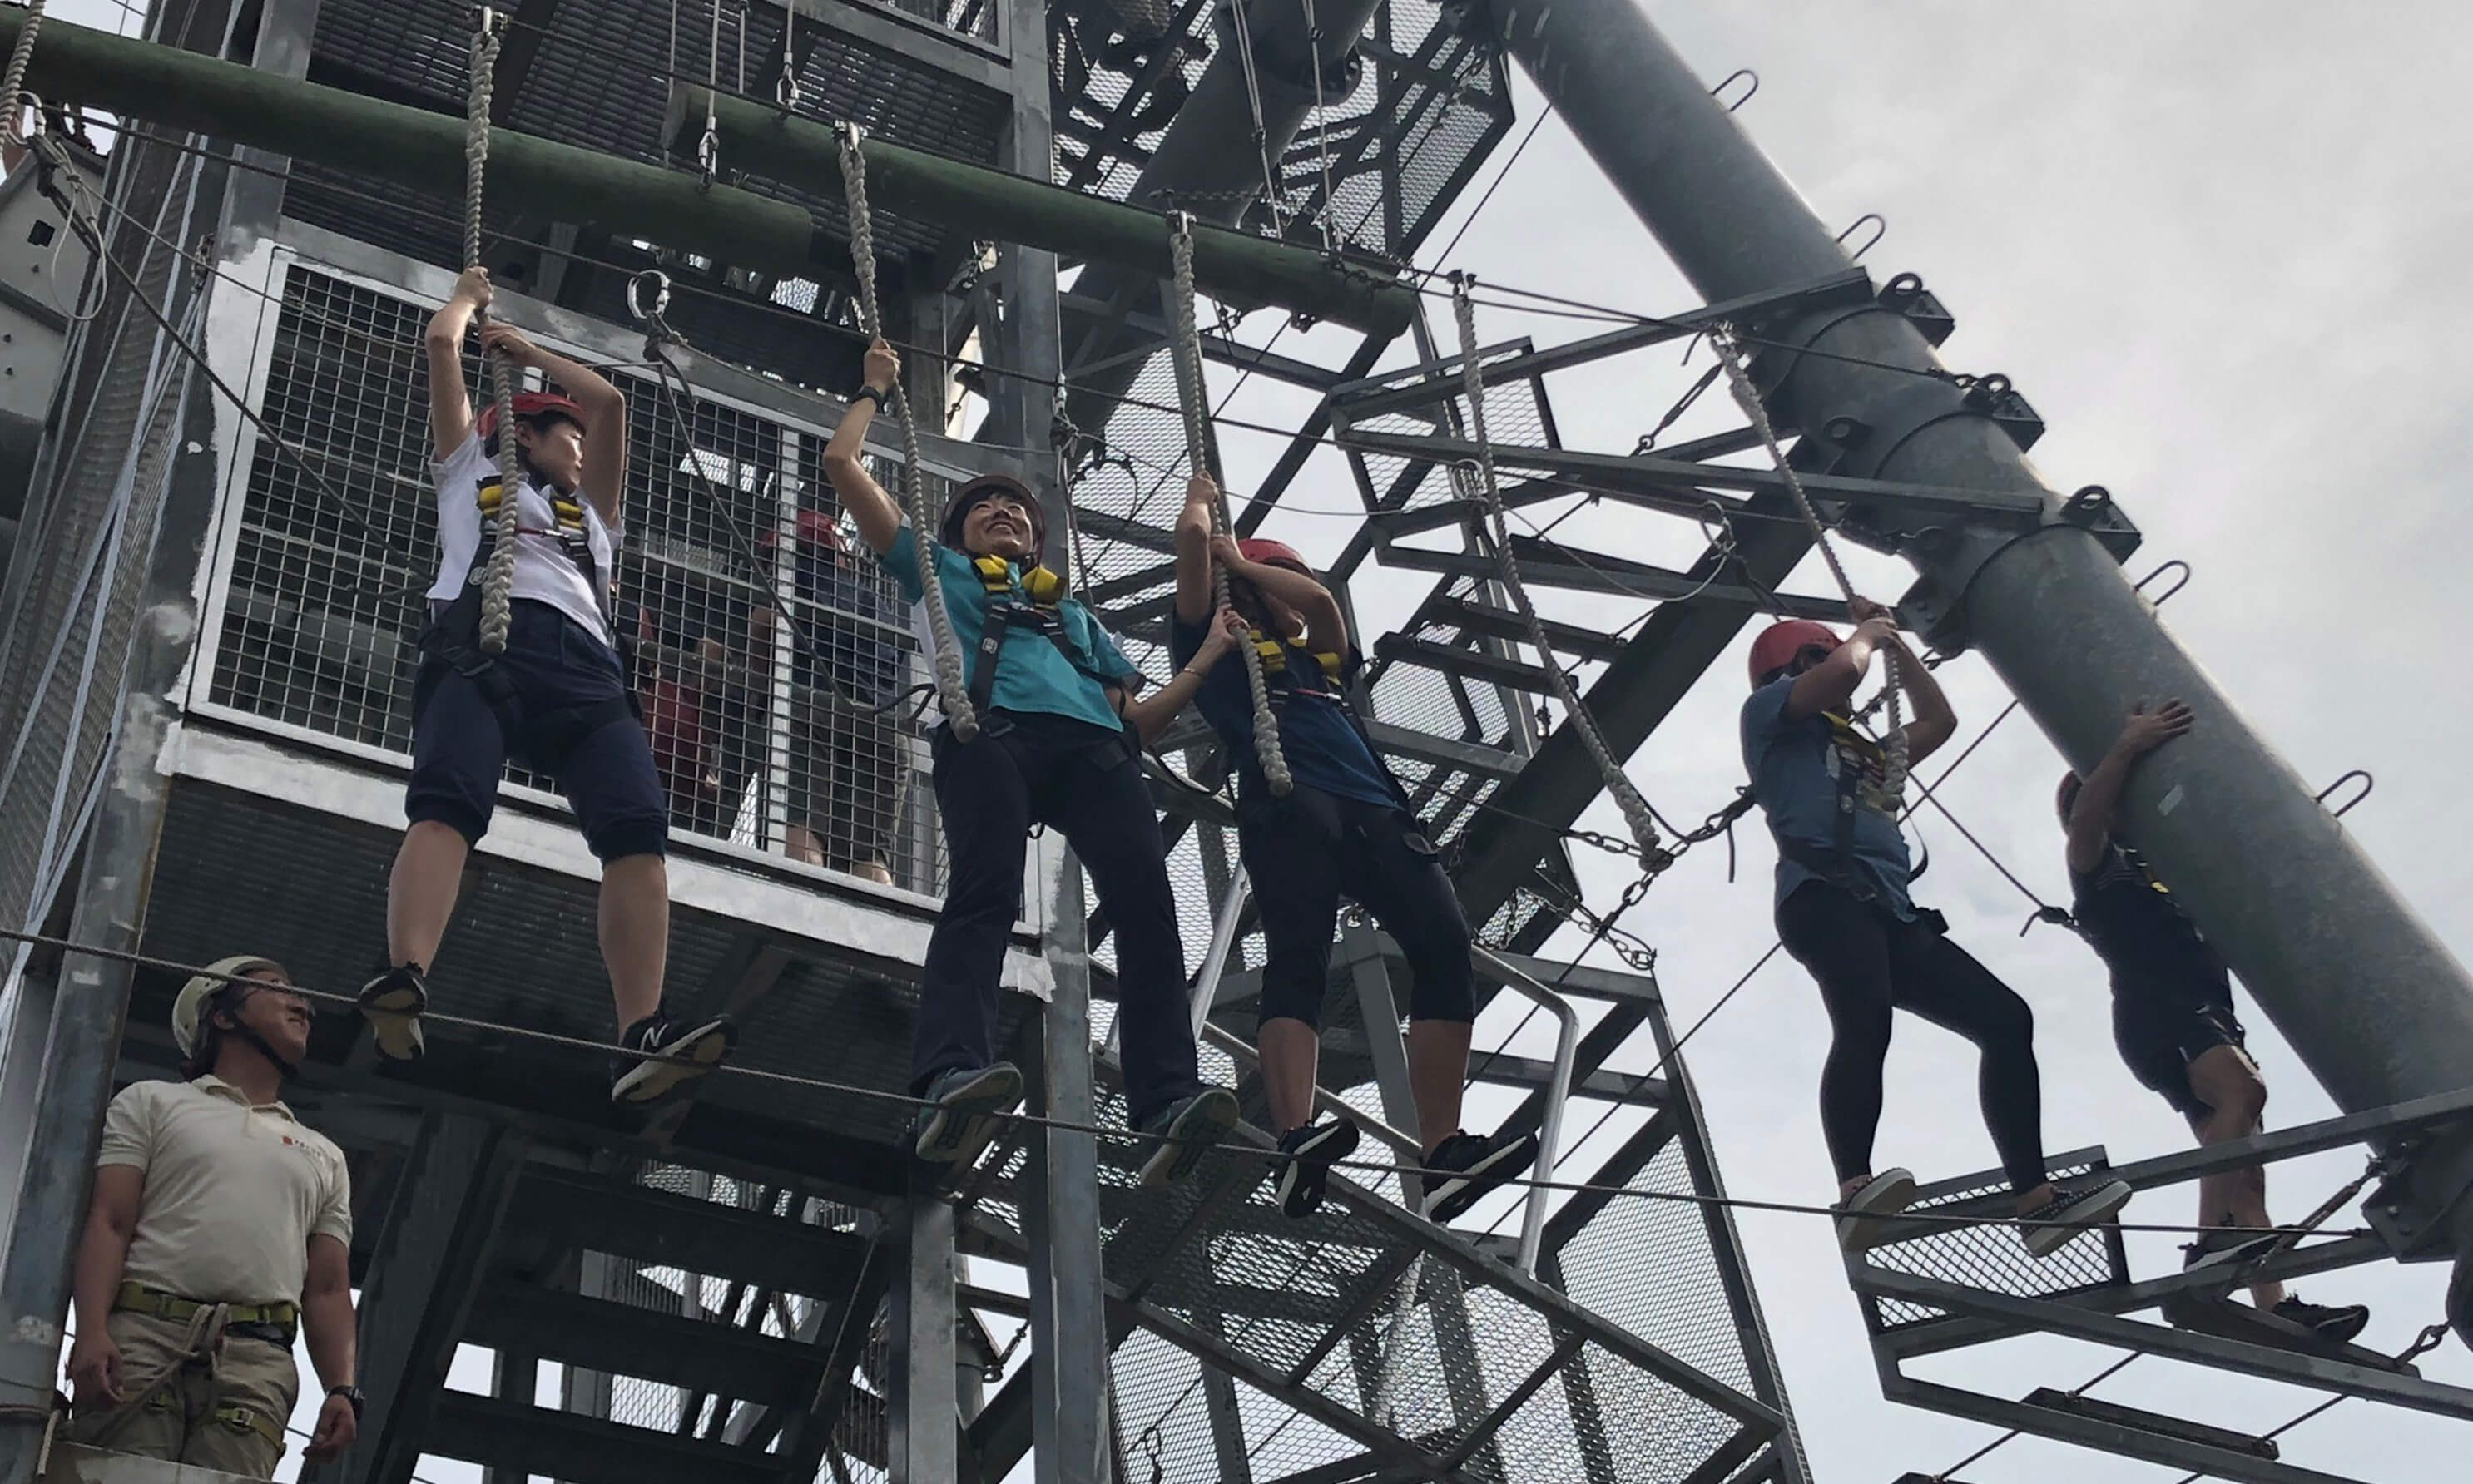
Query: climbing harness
pixel 1190 390
pixel 1893 735
pixel 498 576
pixel 1634 809
pixel 1033 603
pixel 959 714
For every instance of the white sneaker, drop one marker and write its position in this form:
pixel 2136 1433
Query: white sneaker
pixel 1862 1221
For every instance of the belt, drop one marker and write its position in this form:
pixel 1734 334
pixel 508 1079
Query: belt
pixel 253 1321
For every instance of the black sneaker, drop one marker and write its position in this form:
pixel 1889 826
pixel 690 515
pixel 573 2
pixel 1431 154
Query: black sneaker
pixel 2336 1324
pixel 2228 1252
pixel 393 1003
pixel 1469 1165
pixel 1863 1219
pixel 1305 1173
pixel 958 1123
pixel 2049 1227
pixel 667 1053
pixel 1185 1132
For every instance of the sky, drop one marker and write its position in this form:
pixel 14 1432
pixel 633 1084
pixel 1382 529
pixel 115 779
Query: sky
pixel 2217 247
pixel 2218 244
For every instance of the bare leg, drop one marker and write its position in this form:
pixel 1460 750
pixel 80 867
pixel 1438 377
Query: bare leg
pixel 1439 1053
pixel 800 844
pixel 1290 1049
pixel 875 870
pixel 2227 1081
pixel 421 890
pixel 636 933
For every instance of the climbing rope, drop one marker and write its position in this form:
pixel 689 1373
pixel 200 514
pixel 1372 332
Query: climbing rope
pixel 1893 735
pixel 951 692
pixel 498 581
pixel 1634 809
pixel 12 82
pixel 1191 392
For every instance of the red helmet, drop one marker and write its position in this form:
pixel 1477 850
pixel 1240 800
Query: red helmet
pixel 1254 548
pixel 816 529
pixel 528 406
pixel 1780 642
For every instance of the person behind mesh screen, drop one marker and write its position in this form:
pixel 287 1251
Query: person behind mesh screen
pixel 1058 745
pixel 845 777
pixel 219 1229
pixel 559 697
pixel 1345 827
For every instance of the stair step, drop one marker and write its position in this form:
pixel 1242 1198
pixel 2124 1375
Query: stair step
pixel 604 1334
pixel 558 1210
pixel 529 1440
pixel 2157 1422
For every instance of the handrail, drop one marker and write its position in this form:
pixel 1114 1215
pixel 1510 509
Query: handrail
pixel 1558 1092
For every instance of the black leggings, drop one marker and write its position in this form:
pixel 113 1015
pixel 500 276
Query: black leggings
pixel 1303 852
pixel 1867 962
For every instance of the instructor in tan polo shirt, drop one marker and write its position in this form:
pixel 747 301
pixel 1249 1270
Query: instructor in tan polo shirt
pixel 220 1227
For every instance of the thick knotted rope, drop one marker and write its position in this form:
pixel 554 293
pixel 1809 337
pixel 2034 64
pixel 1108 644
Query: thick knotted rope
pixel 1893 735
pixel 1191 392
pixel 952 693
pixel 498 580
pixel 12 82
pixel 1627 797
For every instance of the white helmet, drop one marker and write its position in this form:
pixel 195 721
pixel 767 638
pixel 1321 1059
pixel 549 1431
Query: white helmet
pixel 190 1010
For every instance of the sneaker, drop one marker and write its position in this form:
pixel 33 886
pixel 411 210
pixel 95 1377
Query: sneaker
pixel 1862 1221
pixel 393 1003
pixel 959 1120
pixel 2336 1324
pixel 666 1053
pixel 2049 1228
pixel 1187 1131
pixel 2228 1251
pixel 1306 1171
pixel 1468 1166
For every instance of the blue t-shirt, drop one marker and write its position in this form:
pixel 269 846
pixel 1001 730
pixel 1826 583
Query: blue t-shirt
pixel 1795 766
pixel 842 616
pixel 1032 675
pixel 1322 745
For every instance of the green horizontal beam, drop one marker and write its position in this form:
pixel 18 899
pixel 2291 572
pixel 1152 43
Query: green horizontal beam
pixel 995 206
pixel 412 147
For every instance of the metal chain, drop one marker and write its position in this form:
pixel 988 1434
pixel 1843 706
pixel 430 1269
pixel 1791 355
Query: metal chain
pixel 1191 393
pixel 951 692
pixel 1893 735
pixel 12 82
pixel 1634 809
pixel 498 579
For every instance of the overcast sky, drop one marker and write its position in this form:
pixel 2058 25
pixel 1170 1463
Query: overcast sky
pixel 2219 245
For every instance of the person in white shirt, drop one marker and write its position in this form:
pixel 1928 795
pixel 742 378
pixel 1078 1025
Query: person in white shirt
pixel 219 1226
pixel 558 697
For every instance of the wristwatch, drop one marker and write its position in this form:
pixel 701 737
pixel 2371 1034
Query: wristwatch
pixel 353 1394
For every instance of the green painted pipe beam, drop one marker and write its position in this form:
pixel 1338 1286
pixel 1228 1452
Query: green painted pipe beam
pixel 995 206
pixel 412 147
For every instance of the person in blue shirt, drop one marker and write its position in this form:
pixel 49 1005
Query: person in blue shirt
pixel 2173 1013
pixel 1843 912
pixel 1345 827
pixel 1060 728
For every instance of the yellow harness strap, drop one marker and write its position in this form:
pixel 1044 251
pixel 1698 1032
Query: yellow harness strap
pixel 139 1299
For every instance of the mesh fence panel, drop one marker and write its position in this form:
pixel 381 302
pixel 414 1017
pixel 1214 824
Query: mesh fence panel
pixel 1648 1266
pixel 763 636
pixel 1992 1257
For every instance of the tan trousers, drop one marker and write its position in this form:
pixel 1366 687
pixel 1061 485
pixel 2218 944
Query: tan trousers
pixel 218 1401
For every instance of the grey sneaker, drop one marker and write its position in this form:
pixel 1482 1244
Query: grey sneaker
pixel 393 1003
pixel 1863 1219
pixel 1186 1130
pixel 2049 1228
pixel 961 1119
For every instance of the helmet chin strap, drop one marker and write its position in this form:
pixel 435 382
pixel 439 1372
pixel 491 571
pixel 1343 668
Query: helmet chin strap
pixel 250 1036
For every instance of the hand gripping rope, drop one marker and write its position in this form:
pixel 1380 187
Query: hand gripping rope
pixel 1893 735
pixel 1627 799
pixel 498 581
pixel 951 693
pixel 1190 394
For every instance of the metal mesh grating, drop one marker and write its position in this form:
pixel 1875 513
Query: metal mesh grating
pixel 1992 1257
pixel 751 742
pixel 1648 1265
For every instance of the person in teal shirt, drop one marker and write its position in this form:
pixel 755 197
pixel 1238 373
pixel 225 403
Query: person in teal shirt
pixel 1061 725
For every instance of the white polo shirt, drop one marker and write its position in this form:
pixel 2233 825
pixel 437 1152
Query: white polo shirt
pixel 233 1191
pixel 543 570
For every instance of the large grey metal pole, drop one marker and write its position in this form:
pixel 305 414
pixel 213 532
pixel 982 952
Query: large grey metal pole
pixel 2363 989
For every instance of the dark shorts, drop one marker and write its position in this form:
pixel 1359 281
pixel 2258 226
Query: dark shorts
pixel 844 782
pixel 2162 1029
pixel 460 750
